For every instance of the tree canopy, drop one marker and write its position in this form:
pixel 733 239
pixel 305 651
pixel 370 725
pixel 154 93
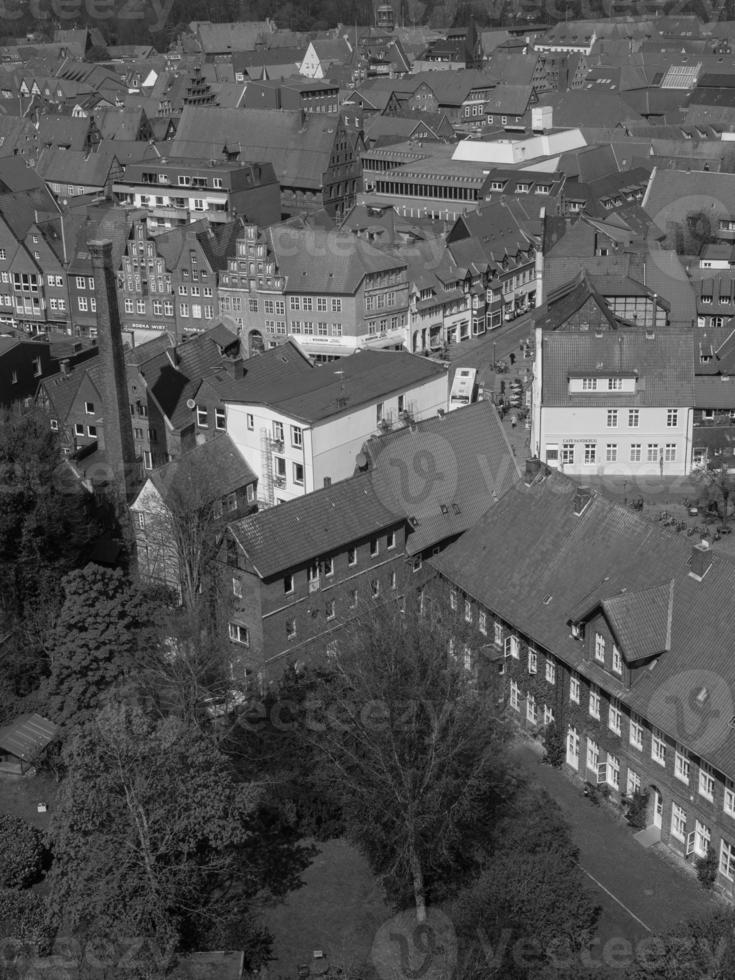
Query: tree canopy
pixel 415 752
pixel 105 632
pixel 153 836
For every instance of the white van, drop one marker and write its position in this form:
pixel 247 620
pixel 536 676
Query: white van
pixel 463 388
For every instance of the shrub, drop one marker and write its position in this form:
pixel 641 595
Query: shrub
pixel 25 916
pixel 707 868
pixel 21 852
pixel 636 809
pixel 554 745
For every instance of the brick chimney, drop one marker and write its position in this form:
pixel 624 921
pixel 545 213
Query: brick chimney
pixel 118 429
pixel 534 468
pixel 700 561
pixel 582 497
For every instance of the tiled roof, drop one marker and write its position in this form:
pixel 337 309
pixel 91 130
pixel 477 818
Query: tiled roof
pixel 670 193
pixel 211 470
pixel 578 107
pixel 75 166
pixel 300 257
pixel 554 563
pixel 366 376
pixel 297 531
pixel 641 620
pixel 713 391
pixel 661 362
pixel 567 300
pixel 471 460
pixel 298 145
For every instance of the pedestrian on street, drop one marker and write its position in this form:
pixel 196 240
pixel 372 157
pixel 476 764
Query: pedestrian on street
pixel 513 421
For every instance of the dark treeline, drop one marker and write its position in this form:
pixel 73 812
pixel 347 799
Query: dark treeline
pixel 159 22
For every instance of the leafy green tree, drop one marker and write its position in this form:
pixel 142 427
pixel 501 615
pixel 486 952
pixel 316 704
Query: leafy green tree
pixel 414 753
pixel 21 852
pixel 554 745
pixel 46 520
pixel 271 740
pixel 104 634
pixel 701 948
pixel 152 836
pixel 528 911
pixel 26 916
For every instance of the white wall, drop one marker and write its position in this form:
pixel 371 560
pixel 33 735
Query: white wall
pixel 337 442
pixel 329 447
pixel 580 425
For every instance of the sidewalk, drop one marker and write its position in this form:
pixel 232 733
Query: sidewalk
pixel 652 892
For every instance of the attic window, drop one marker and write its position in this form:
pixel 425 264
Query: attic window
pixel 547 600
pixel 456 509
pixel 444 509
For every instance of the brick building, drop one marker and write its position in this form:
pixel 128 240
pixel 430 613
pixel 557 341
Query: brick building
pixel 183 506
pixel 299 572
pixel 330 290
pixel 619 632
pixel 169 282
pixel 176 191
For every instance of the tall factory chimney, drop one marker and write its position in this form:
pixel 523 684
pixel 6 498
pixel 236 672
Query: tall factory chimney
pixel 118 430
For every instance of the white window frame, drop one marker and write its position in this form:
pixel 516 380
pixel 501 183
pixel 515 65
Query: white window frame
pixel 572 747
pixel 600 648
pixel 658 747
pixel 706 781
pixel 682 765
pixel 636 733
pixel 727 859
pixel 702 838
pixel 728 799
pixel 592 758
pixel 575 689
pixel 615 717
pixel 617 660
pixel 613 771
pixel 632 782
pixel 514 696
pixel 550 671
pixel 237 631
pixel 594 701
pixel 678 821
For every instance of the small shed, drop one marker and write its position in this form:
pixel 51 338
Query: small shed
pixel 21 741
pixel 214 965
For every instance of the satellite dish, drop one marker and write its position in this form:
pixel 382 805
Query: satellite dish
pixel 190 403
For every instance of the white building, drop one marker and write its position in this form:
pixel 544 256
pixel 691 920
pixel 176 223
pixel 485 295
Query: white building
pixel 308 434
pixel 614 402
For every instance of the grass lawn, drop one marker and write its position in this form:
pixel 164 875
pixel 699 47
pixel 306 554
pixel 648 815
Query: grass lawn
pixel 339 910
pixel 20 796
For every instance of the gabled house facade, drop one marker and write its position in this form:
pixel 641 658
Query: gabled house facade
pixel 181 511
pixel 332 292
pixel 610 398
